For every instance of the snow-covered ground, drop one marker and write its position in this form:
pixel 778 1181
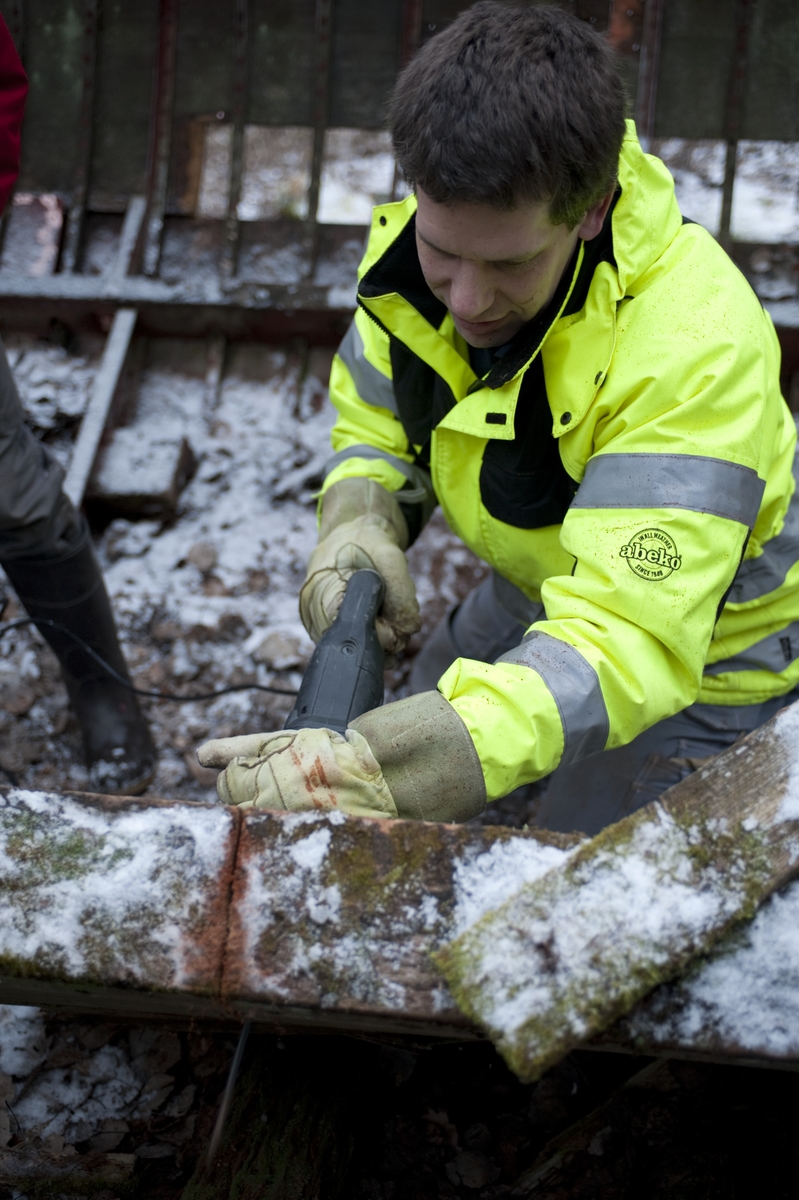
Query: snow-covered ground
pixel 209 598
pixel 765 199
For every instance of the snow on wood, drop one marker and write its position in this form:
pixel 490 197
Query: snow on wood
pixel 126 906
pixel 340 915
pixel 577 949
pixel 113 892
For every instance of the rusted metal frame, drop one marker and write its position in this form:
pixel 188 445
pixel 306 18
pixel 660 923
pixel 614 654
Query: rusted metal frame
pixel 411 36
pixel 648 68
pixel 14 16
pixel 241 91
pixel 733 112
pixel 160 135
pixel 77 204
pixel 321 110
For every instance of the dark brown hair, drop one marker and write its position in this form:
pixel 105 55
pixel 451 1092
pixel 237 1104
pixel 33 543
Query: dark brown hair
pixel 509 105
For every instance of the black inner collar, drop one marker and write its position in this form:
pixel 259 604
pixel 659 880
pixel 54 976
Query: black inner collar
pixel 399 270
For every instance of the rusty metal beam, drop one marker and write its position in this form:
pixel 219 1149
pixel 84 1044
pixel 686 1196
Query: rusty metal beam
pixel 733 112
pixel 241 86
pixel 648 66
pixel 321 108
pixel 73 235
pixel 160 135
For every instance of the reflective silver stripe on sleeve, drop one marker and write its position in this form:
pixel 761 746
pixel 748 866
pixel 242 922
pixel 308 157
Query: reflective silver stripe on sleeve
pixel 758 576
pixel 773 653
pixel 371 385
pixel 422 490
pixel 574 685
pixel 707 485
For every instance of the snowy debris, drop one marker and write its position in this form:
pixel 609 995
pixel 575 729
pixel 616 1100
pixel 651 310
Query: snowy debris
pixel 112 895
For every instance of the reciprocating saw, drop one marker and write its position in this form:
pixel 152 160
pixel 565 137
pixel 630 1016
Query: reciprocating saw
pixel 343 679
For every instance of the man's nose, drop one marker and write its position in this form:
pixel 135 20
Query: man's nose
pixel 470 293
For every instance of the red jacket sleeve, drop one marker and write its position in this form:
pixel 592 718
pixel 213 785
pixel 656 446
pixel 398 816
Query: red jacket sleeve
pixel 13 90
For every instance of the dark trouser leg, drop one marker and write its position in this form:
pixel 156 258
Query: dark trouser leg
pixel 598 791
pixel 46 552
pixel 479 628
pixel 70 591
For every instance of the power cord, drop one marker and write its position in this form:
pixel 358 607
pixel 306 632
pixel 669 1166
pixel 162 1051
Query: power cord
pixel 5 626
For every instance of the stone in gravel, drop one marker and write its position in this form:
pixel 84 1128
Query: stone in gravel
pixel 471 1170
pixel 203 555
pixel 280 651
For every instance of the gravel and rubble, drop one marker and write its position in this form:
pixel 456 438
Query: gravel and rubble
pixel 208 598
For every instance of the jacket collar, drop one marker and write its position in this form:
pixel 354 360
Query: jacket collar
pixel 643 220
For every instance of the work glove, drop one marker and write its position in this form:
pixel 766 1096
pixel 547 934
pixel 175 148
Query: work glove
pixel 300 769
pixel 361 526
pixel 413 758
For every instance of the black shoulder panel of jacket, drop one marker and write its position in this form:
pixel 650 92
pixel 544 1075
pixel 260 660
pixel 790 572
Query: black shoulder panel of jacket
pixel 524 483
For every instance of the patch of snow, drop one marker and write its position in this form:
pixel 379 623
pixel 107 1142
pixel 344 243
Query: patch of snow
pixel 310 853
pixel 485 880
pixel 746 996
pixel 133 882
pixel 357 173
pixel 23 1041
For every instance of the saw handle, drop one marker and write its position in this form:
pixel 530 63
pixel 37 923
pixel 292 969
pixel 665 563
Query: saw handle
pixel 345 675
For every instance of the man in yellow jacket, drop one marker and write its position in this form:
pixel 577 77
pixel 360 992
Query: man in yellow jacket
pixel 589 388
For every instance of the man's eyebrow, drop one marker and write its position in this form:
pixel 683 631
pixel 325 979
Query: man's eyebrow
pixel 495 262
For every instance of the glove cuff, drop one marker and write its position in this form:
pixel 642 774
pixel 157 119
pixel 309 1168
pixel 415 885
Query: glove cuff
pixel 427 757
pixel 352 498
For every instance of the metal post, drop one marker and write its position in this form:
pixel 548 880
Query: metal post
pixel 161 134
pixel 733 112
pixel 648 67
pixel 321 107
pixel 241 84
pixel 77 207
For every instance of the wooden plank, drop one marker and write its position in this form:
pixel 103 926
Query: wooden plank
pixel 94 421
pixel 330 924
pixel 574 951
pixel 114 893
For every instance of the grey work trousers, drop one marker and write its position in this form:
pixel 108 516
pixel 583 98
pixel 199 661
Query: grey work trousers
pixel 597 791
pixel 36 519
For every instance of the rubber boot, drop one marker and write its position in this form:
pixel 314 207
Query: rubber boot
pixel 69 589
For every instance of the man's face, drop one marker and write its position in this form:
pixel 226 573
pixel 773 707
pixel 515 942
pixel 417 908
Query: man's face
pixel 493 269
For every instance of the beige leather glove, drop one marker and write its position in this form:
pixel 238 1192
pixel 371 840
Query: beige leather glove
pixel 413 758
pixel 300 769
pixel 361 526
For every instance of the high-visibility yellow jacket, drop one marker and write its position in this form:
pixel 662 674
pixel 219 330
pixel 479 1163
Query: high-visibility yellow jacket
pixel 628 462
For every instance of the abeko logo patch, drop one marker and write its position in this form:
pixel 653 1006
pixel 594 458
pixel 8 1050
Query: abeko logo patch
pixel 651 554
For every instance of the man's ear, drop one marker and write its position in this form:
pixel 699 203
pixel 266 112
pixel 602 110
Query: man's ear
pixel 594 219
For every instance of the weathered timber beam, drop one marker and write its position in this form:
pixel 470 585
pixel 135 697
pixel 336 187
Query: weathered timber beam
pixel 317 922
pixel 631 908
pixel 94 421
